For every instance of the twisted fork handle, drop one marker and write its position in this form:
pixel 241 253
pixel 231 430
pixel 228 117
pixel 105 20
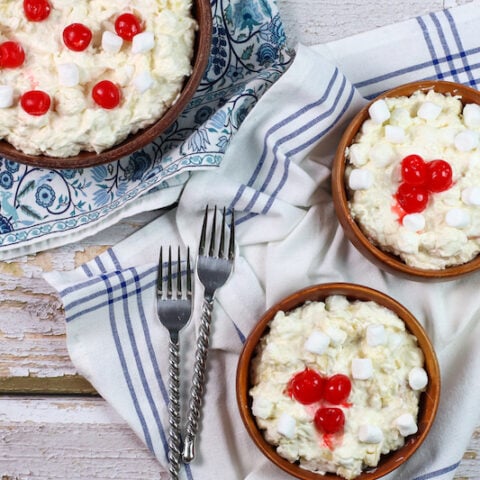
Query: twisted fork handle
pixel 198 381
pixel 174 439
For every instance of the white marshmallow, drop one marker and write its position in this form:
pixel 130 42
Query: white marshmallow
pixel 417 378
pixel 379 111
pixel 370 434
pixel 394 134
pixel 286 425
pixel 317 342
pixel 111 42
pixel 6 96
pixel 406 424
pixel 471 115
pixel 360 179
pixel 394 340
pixel 458 218
pixel 362 368
pixel 262 407
pixel 466 140
pixel 414 222
pixel 143 81
pixel 382 154
pixel 337 335
pixel 143 42
pixel 357 154
pixel 376 335
pixel 68 74
pixel 471 195
pixel 429 111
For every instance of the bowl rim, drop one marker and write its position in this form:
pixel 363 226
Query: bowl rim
pixel 429 399
pixel 202 12
pixel 390 262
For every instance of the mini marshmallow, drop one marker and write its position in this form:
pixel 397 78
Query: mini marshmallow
pixel 458 218
pixel 6 96
pixel 466 140
pixel 337 335
pixel 471 195
pixel 414 222
pixel 370 434
pixel 68 74
pixel 417 378
pixel 394 134
pixel 143 81
pixel 406 424
pixel 360 179
pixel 317 342
pixel 262 407
pixel 376 335
pixel 471 115
pixel 362 368
pixel 286 425
pixel 429 111
pixel 382 154
pixel 111 42
pixel 379 111
pixel 394 340
pixel 143 42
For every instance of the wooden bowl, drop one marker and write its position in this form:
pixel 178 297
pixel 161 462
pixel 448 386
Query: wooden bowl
pixel 387 261
pixel 202 12
pixel 428 401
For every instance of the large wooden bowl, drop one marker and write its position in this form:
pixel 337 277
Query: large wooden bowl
pixel 202 12
pixel 354 233
pixel 428 402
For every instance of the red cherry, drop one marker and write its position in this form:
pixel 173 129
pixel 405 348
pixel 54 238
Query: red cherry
pixel 306 387
pixel 36 10
pixel 414 170
pixel 106 94
pixel 35 102
pixel 329 420
pixel 77 37
pixel 439 176
pixel 127 25
pixel 337 388
pixel 412 198
pixel 12 55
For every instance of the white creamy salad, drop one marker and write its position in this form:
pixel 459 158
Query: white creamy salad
pixel 375 405
pixel 147 71
pixel 429 227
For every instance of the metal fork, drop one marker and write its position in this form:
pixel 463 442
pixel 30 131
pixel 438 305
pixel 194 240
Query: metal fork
pixel 174 310
pixel 213 270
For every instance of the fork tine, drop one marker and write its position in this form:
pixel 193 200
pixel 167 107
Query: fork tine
pixel 203 235
pixel 169 275
pixel 231 246
pixel 212 234
pixel 179 275
pixel 160 274
pixel 222 236
pixel 189 275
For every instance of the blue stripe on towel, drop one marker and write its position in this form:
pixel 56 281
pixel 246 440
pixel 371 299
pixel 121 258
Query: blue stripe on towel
pixel 438 473
pixel 123 363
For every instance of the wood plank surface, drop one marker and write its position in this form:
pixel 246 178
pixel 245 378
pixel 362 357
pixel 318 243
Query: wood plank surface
pixel 48 433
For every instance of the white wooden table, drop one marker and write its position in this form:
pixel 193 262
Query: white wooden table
pixel 51 426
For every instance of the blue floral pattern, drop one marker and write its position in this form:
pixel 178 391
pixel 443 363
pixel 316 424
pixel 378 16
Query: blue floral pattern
pixel 248 55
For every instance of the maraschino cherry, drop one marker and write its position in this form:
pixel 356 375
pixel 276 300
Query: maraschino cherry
pixel 77 37
pixel 12 54
pixel 337 389
pixel 127 25
pixel 329 420
pixel 306 386
pixel 35 102
pixel 106 94
pixel 36 10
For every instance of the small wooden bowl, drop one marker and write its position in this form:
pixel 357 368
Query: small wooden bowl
pixel 387 261
pixel 202 12
pixel 428 401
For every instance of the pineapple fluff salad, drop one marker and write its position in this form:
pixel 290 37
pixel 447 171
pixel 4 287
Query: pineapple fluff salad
pixel 413 177
pixel 84 74
pixel 336 384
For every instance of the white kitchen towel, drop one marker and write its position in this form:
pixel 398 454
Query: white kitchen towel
pixel 276 177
